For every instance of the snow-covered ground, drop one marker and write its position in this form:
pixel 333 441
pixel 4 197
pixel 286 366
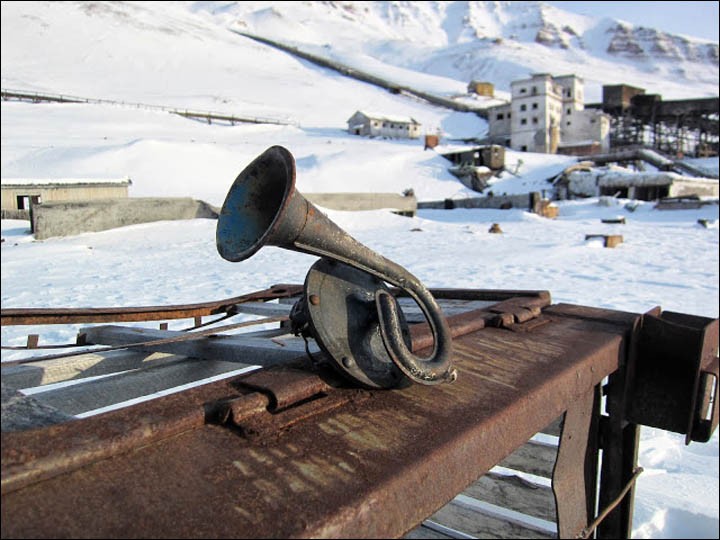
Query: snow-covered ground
pixel 180 56
pixel 666 259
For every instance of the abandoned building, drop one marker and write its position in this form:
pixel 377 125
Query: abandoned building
pixel 645 186
pixel 474 166
pixel 547 114
pixel 19 194
pixel 481 88
pixel 381 125
pixel 686 127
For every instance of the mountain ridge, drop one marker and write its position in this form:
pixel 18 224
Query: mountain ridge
pixel 473 40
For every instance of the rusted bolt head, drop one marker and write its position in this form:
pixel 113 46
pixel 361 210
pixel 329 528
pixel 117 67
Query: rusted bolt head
pixel 314 299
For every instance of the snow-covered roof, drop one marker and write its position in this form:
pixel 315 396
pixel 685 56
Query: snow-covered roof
pixel 388 118
pixel 38 182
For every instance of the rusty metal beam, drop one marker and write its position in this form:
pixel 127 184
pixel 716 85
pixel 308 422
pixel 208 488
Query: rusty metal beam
pixel 364 464
pixel 575 472
pixel 29 316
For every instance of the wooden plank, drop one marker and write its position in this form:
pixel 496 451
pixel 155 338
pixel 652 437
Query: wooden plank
pixel 266 309
pixel 424 531
pixel 483 525
pixel 433 529
pixel 230 348
pixel 515 493
pixel 20 412
pixel 95 364
pixel 554 427
pixel 85 365
pixel 105 392
pixel 532 457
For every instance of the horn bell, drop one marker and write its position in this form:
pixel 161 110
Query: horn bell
pixel 255 205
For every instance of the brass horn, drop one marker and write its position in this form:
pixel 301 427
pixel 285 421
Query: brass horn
pixel 346 307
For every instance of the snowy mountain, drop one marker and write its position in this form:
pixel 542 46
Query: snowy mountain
pixel 493 41
pixel 436 46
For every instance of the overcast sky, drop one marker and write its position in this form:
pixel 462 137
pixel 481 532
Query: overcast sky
pixel 691 18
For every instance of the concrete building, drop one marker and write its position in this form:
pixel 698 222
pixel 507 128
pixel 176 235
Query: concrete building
pixel 381 125
pixel 645 186
pixel 547 114
pixel 18 194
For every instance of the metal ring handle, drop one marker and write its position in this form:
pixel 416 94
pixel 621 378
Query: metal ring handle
pixel 433 370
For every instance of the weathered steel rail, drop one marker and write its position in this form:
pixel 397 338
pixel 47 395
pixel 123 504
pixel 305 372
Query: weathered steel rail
pixel 295 451
pixel 30 316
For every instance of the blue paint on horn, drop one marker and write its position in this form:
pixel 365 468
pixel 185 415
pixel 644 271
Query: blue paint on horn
pixel 254 203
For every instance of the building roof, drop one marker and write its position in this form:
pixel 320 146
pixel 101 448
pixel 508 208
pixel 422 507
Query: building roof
pixel 55 182
pixel 388 118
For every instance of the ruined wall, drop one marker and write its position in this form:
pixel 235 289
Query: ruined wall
pixel 69 218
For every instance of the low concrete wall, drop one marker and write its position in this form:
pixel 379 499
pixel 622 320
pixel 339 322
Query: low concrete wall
pixel 406 205
pixel 498 201
pixel 14 214
pixel 68 218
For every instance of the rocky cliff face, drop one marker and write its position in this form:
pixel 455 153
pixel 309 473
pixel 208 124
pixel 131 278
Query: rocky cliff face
pixel 648 43
pixel 444 25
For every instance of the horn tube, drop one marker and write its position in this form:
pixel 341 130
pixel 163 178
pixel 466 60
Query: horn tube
pixel 263 208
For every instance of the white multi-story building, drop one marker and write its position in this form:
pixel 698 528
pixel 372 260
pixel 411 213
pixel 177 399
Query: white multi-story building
pixel 547 114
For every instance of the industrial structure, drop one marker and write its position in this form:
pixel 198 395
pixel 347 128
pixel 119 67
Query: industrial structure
pixel 547 114
pixel 673 127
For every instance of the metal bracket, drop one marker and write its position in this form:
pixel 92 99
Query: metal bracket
pixel 675 375
pixel 339 311
pixel 280 398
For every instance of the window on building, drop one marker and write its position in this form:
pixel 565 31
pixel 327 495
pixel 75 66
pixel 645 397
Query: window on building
pixel 523 90
pixel 509 115
pixel 523 121
pixel 569 111
pixel 523 107
pixel 534 105
pixel 535 120
pixel 523 148
pixel 568 123
pixel 500 116
pixel 592 120
pixel 534 90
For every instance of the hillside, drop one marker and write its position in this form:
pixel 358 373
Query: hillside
pixel 455 42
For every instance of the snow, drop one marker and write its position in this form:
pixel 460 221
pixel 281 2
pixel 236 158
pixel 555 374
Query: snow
pixel 183 55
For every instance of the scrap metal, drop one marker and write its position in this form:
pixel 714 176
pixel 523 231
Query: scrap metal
pixel 296 451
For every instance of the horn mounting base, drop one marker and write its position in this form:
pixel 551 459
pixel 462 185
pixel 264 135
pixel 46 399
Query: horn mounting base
pixel 339 311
